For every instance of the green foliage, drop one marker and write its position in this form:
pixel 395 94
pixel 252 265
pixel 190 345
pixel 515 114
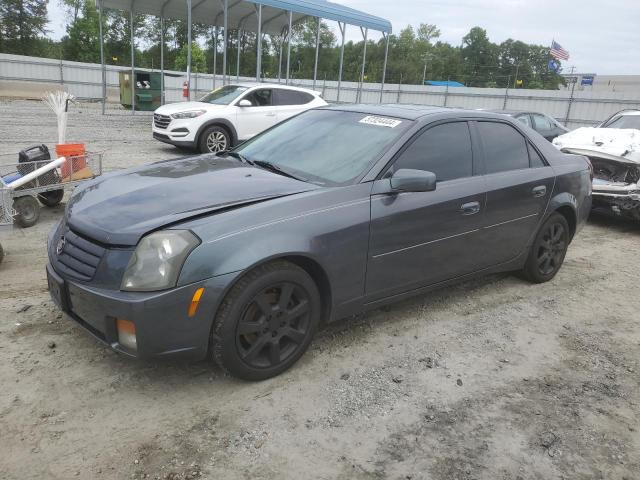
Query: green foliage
pixel 198 59
pixel 22 23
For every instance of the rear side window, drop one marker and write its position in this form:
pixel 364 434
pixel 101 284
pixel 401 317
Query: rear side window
pixel 290 97
pixel 504 147
pixel 541 122
pixel 444 150
pixel 535 160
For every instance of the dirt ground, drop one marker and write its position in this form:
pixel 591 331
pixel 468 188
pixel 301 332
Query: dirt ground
pixel 493 379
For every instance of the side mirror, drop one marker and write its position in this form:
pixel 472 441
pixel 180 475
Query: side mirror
pixel 409 180
pixel 245 103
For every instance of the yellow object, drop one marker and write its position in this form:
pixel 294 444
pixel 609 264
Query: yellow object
pixel 195 301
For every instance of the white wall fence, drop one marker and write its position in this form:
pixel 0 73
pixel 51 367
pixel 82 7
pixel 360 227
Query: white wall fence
pixel 22 76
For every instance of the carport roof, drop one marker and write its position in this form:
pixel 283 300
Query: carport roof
pixel 243 12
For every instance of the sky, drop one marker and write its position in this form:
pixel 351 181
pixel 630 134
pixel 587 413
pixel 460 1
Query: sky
pixel 602 37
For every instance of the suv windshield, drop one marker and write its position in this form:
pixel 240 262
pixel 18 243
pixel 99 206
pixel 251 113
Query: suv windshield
pixel 328 147
pixel 224 95
pixel 624 121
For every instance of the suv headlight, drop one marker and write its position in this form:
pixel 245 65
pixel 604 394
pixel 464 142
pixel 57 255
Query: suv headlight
pixel 188 114
pixel 157 260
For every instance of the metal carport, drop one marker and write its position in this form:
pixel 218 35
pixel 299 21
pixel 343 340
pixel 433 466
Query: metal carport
pixel 260 16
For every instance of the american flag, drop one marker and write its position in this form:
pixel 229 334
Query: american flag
pixel 558 52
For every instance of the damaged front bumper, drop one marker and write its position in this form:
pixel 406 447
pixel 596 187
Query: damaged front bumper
pixel 617 200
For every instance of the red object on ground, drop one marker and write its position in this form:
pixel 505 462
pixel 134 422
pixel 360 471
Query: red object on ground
pixel 75 155
pixel 185 89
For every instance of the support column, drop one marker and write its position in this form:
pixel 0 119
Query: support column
pixel 162 58
pixel 133 55
pixel 289 44
pixel 365 33
pixel 315 65
pixel 259 46
pixel 102 65
pixel 343 29
pixel 384 66
pixel 280 55
pixel 189 49
pixel 225 40
pixel 238 54
pixel 215 55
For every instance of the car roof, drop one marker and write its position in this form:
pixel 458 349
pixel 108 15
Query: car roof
pixel 412 112
pixel 270 85
pixel 512 113
pixel 628 112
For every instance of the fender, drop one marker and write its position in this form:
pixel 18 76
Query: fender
pixel 219 121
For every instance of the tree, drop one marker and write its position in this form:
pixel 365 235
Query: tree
pixel 480 58
pixel 22 24
pixel 198 59
pixel 82 42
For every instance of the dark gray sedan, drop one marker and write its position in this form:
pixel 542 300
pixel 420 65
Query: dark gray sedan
pixel 242 256
pixel 545 125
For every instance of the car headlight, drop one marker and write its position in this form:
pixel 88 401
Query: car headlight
pixel 157 260
pixel 188 114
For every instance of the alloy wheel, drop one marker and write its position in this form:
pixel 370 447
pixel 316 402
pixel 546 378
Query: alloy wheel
pixel 274 325
pixel 551 248
pixel 216 141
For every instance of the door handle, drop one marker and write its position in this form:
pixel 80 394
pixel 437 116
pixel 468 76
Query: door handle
pixel 539 191
pixel 470 208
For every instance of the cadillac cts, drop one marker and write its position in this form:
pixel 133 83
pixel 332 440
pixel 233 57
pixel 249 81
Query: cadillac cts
pixel 241 256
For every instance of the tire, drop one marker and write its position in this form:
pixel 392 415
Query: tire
pixel 548 250
pixel 254 337
pixel 51 198
pixel 27 211
pixel 214 139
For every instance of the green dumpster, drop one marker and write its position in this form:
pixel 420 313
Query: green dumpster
pixel 147 90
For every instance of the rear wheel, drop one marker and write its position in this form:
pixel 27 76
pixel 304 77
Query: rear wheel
pixel 27 211
pixel 548 250
pixel 266 322
pixel 214 139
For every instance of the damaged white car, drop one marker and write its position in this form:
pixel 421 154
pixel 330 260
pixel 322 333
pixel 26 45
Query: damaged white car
pixel 613 149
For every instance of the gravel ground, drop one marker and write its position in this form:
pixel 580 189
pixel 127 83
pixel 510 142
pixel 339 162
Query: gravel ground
pixel 491 379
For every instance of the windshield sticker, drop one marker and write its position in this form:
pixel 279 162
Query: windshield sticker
pixel 381 121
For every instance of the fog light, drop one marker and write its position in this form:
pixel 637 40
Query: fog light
pixel 126 333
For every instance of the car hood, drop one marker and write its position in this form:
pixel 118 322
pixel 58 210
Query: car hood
pixel 119 208
pixel 610 143
pixel 185 106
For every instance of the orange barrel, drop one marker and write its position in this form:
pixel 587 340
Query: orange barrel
pixel 75 155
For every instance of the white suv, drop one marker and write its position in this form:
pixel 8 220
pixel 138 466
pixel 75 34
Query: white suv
pixel 229 115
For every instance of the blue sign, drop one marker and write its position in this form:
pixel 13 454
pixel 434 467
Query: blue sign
pixel 554 65
pixel 587 80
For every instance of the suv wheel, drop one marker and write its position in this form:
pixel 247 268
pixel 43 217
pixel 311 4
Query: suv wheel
pixel 214 139
pixel 266 321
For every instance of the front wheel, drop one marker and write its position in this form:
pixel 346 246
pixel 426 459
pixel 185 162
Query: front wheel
pixel 548 250
pixel 214 139
pixel 266 322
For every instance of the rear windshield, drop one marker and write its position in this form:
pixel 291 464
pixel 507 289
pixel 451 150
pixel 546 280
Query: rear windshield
pixel 327 147
pixel 224 95
pixel 624 121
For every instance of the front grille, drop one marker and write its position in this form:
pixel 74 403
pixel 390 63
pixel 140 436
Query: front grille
pixel 161 121
pixel 79 258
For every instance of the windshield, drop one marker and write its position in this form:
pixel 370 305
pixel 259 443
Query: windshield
pixel 624 121
pixel 328 147
pixel 224 95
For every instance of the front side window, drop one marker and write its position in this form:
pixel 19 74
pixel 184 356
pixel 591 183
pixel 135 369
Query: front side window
pixel 260 98
pixel 444 150
pixel 326 147
pixel 504 147
pixel 524 119
pixel 224 95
